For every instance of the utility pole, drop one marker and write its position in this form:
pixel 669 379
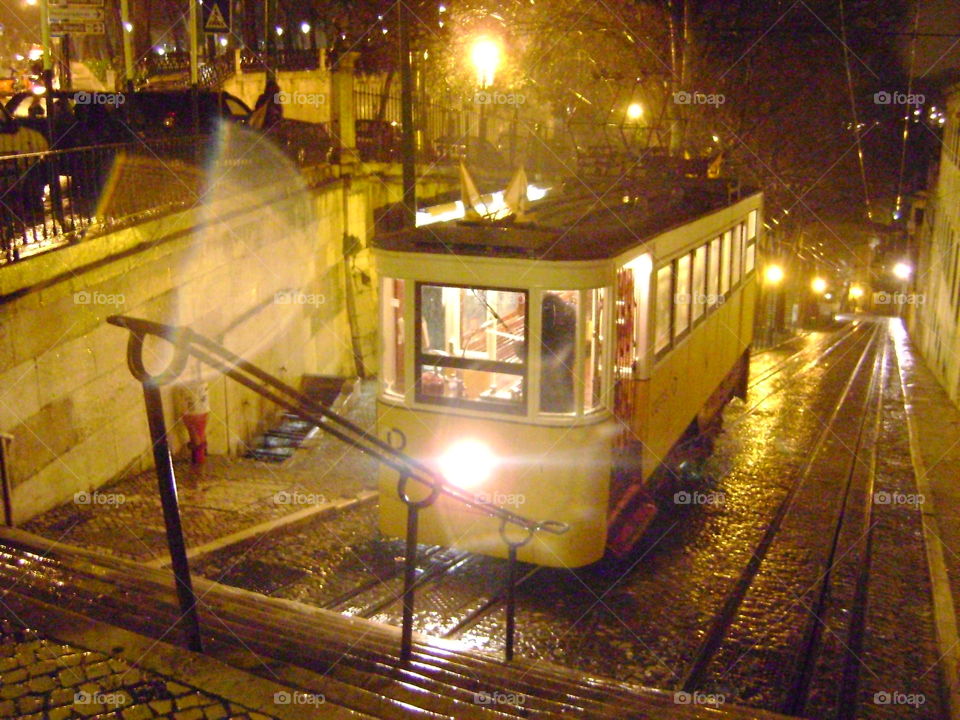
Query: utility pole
pixel 406 121
pixel 127 45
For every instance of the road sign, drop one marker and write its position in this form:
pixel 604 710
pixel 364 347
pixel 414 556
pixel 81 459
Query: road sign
pixel 56 4
pixel 74 14
pixel 216 16
pixel 78 27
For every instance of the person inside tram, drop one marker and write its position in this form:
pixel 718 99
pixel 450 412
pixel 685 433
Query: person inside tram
pixel 558 341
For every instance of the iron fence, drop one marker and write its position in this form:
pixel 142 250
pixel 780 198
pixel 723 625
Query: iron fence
pixel 54 198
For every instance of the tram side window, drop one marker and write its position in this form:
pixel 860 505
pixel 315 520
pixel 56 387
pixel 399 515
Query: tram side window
pixel 736 256
pixel 391 362
pixel 698 292
pixel 725 264
pixel 593 313
pixel 750 258
pixel 472 346
pixel 664 307
pixel 681 297
pixel 713 274
pixel 752 225
pixel 558 346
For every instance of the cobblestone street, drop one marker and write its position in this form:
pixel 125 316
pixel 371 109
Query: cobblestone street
pixel 44 679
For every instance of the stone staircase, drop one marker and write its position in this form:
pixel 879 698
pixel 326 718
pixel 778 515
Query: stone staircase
pixel 352 662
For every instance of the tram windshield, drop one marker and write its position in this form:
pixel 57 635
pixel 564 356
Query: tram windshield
pixel 472 346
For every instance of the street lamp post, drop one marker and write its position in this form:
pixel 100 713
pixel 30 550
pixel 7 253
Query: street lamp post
pixel 772 277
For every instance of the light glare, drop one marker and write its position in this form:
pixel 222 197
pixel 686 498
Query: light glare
pixel 467 463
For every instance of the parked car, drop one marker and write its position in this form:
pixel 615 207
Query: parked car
pixel 81 118
pixel 169 113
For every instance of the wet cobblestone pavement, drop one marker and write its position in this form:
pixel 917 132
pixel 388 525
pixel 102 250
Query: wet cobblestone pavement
pixel 43 679
pixel 223 496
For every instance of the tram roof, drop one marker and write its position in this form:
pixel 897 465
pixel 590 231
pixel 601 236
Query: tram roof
pixel 578 221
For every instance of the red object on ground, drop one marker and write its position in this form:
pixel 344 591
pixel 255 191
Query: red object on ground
pixel 197 429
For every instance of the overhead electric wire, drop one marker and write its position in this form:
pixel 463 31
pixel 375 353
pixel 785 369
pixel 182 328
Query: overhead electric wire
pixel 906 117
pixel 853 108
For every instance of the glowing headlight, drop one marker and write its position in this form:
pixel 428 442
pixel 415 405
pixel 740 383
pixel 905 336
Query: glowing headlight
pixel 467 463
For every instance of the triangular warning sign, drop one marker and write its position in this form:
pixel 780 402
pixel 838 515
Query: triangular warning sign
pixel 216 23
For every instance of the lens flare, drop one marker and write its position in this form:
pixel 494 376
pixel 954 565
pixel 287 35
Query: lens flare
pixel 467 463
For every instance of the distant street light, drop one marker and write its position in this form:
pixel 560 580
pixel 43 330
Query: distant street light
pixel 634 111
pixel 902 271
pixel 485 55
pixel 856 292
pixel 773 275
pixel 304 27
pixel 818 285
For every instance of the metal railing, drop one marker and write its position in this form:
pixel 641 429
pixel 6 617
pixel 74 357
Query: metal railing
pixel 187 344
pixel 212 73
pixel 50 199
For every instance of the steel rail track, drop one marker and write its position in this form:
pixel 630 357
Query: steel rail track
pixel 694 678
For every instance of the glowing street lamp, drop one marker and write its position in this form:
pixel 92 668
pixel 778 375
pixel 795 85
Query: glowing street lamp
pixel 818 285
pixel 902 271
pixel 856 292
pixel 634 111
pixel 773 275
pixel 485 55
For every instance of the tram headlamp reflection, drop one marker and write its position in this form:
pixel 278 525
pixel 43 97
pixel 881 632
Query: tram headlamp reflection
pixel 467 463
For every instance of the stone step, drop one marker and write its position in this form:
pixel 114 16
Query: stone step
pixel 352 661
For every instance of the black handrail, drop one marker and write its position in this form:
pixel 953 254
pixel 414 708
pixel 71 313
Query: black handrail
pixel 189 343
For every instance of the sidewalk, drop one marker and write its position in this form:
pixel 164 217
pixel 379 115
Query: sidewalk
pixel 934 427
pixel 78 668
pixel 225 498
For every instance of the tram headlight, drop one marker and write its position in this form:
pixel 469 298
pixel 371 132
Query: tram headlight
pixel 467 463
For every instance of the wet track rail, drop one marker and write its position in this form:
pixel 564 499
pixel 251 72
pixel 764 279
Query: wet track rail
pixel 722 647
pixel 783 597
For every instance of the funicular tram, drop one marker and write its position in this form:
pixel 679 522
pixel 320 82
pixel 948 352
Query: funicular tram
pixel 526 360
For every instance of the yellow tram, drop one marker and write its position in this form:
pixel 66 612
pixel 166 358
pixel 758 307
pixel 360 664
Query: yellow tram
pixel 520 358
